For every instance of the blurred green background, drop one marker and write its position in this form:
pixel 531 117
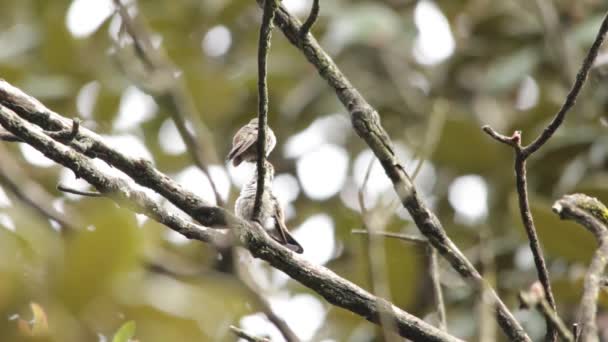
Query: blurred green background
pixel 436 72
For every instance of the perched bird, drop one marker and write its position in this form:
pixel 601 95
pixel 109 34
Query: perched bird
pixel 244 143
pixel 271 214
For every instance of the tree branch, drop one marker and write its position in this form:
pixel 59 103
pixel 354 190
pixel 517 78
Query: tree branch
pixel 162 81
pixel 535 298
pixel 366 122
pixel 593 215
pixel 33 194
pixel 270 7
pixel 312 18
pixel 523 152
pixel 247 336
pixel 17 109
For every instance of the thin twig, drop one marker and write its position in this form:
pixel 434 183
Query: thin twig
pixel 244 275
pixel 245 335
pixel 536 299
pixel 270 7
pixel 70 190
pixel 435 279
pixel 171 93
pixel 378 276
pixel 312 18
pixel 581 77
pixel 8 137
pixel 593 215
pixel 404 237
pixel 33 194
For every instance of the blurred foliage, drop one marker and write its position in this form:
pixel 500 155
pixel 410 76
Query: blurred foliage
pixel 511 68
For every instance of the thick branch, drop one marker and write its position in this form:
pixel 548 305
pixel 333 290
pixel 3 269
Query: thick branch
pixel 366 123
pixel 118 189
pixel 593 215
pixel 333 288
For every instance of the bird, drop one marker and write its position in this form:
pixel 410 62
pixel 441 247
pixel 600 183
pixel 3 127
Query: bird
pixel 272 218
pixel 244 143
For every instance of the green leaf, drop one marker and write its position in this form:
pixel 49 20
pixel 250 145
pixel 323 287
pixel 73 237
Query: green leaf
pixel 125 333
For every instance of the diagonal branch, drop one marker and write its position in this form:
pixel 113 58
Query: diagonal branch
pixel 366 122
pixel 163 81
pixel 270 7
pixel 581 77
pixel 18 109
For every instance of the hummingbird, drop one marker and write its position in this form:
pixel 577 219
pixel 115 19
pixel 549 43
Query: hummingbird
pixel 244 143
pixel 272 218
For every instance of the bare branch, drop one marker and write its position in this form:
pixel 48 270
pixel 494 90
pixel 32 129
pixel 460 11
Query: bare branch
pixel 312 18
pixel 404 237
pixel 70 190
pixel 535 298
pixel 593 215
pixel 163 82
pixel 581 77
pixel 245 335
pixel 270 7
pixel 17 107
pixel 117 189
pixel 366 122
pixel 435 279
pixel 33 194
pixel 522 153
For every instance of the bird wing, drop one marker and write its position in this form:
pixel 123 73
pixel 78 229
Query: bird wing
pixel 242 141
pixel 285 237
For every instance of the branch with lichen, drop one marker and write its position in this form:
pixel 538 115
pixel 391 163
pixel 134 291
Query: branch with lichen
pixel 593 215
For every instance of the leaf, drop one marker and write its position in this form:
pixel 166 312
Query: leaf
pixel 125 333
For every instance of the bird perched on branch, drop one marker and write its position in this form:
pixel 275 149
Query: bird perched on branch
pixel 244 143
pixel 271 218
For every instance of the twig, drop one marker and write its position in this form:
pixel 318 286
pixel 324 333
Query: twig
pixel 8 137
pixel 378 277
pixel 366 122
pixel 581 77
pixel 270 7
pixel 404 237
pixel 523 152
pixel 16 107
pixel 435 279
pixel 68 134
pixel 33 194
pixel 312 18
pixel 534 298
pixel 245 335
pixel 65 188
pixel 433 133
pixel 173 94
pixel 244 275
pixel 593 215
